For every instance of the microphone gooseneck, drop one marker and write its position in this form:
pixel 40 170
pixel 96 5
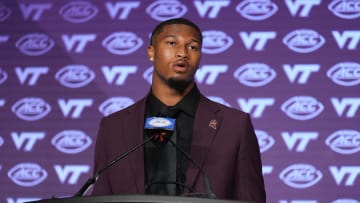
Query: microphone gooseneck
pixel 207 184
pixel 167 125
pixel 94 178
pixel 152 124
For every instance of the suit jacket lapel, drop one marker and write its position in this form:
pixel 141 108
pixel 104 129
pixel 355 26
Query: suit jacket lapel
pixel 206 124
pixel 134 135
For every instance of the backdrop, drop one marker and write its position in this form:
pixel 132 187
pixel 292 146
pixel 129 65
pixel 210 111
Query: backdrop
pixel 292 64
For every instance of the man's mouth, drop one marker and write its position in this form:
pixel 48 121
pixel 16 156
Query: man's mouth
pixel 180 66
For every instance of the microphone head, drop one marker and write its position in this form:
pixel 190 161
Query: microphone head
pixel 160 128
pixel 160 123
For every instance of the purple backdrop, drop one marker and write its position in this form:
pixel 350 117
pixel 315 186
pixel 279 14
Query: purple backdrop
pixel 292 64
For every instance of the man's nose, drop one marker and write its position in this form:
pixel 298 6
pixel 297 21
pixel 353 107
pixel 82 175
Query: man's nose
pixel 182 52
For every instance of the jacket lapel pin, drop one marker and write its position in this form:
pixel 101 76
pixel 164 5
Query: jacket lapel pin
pixel 213 124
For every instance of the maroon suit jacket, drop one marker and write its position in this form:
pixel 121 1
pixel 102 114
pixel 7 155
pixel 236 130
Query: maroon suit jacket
pixel 223 142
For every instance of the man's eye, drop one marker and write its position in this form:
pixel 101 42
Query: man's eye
pixel 171 43
pixel 193 48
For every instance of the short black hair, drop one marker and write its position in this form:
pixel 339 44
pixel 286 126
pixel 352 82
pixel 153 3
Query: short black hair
pixel 172 21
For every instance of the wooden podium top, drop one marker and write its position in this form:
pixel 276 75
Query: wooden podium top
pixel 136 199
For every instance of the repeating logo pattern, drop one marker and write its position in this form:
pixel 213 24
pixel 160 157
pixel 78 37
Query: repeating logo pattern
pixel 27 174
pixel 293 65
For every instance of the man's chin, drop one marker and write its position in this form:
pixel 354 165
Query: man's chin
pixel 178 84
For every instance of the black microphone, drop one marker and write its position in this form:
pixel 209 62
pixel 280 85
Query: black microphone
pixel 167 125
pixel 207 185
pixel 152 123
pixel 94 178
pixel 160 128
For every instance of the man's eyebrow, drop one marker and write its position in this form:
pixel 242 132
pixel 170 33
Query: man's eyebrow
pixel 174 36
pixel 197 41
pixel 166 36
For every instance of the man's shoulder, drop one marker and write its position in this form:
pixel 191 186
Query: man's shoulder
pixel 137 106
pixel 222 107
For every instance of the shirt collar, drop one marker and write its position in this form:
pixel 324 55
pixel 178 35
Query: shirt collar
pixel 188 104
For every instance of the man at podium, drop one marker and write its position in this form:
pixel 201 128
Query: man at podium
pixel 206 141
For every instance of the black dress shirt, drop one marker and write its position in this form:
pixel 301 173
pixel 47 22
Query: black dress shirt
pixel 165 164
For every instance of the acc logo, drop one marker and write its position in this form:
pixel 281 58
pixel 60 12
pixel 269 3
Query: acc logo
pixel 31 108
pixel 35 44
pixel 345 73
pixel 256 10
pixel 4 12
pixel 78 11
pixel 163 9
pixel 345 201
pixel 215 42
pixel 304 40
pixel 219 100
pixel 300 175
pixel 265 140
pixel 71 141
pixel 27 174
pixel 3 76
pixel 75 76
pixel 344 141
pixel 147 75
pixel 346 9
pixel 255 74
pixel 114 104
pixel 1 142
pixel 302 107
pixel 122 43
pixel 160 123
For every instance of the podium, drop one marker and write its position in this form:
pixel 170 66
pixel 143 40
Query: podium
pixel 135 199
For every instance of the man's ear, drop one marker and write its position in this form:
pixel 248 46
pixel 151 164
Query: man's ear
pixel 150 53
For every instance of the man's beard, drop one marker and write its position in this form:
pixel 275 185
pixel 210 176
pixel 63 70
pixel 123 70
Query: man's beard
pixel 179 84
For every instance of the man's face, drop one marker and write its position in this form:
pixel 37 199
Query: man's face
pixel 176 54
